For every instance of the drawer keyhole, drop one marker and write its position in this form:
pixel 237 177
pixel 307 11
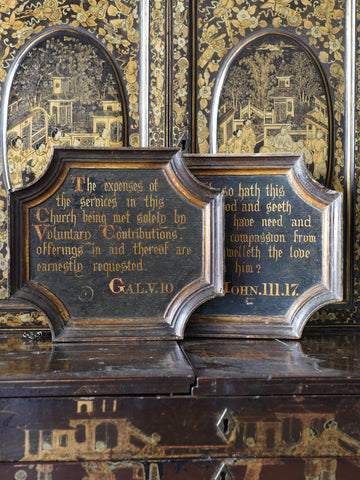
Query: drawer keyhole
pixel 226 425
pixel 223 473
pixel 226 431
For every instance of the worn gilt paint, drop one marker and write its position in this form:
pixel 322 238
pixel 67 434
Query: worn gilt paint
pixel 195 38
pixel 114 429
pixel 252 469
pixel 115 24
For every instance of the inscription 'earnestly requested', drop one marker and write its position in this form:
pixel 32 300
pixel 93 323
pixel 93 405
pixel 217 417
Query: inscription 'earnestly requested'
pixel 118 235
pixel 116 244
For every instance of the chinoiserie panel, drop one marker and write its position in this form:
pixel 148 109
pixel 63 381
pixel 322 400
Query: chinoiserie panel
pixel 69 75
pixel 265 106
pixel 65 92
pixel 250 61
pixel 170 56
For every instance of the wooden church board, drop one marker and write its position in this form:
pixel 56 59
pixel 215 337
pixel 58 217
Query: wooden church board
pixel 115 244
pixel 283 246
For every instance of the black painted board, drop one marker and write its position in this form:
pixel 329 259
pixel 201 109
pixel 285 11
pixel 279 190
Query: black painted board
pixel 45 368
pixel 116 243
pixel 283 246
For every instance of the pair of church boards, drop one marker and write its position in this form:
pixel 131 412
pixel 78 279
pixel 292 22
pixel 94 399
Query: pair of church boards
pixel 153 244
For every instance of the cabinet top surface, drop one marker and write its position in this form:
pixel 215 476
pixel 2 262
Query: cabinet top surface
pixel 314 365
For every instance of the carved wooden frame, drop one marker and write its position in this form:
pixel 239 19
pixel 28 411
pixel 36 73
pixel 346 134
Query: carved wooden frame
pixel 172 323
pixel 328 290
pixel 342 91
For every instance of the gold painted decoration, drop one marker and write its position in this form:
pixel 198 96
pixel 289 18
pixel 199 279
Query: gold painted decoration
pixel 326 30
pixel 157 81
pixel 181 73
pixel 188 44
pixel 21 320
pixel 320 26
pixel 267 107
pixel 65 93
pixel 113 24
pixel 114 243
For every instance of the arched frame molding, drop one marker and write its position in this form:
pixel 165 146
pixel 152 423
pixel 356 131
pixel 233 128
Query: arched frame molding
pixel 228 61
pixel 46 34
pixel 349 128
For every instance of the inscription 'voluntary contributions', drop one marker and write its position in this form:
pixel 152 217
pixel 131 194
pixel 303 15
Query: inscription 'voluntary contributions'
pixel 115 234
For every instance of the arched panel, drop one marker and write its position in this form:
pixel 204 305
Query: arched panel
pixel 61 89
pixel 264 103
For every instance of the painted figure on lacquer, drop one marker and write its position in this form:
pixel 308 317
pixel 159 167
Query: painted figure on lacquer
pixel 114 447
pixel 64 93
pixel 274 100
